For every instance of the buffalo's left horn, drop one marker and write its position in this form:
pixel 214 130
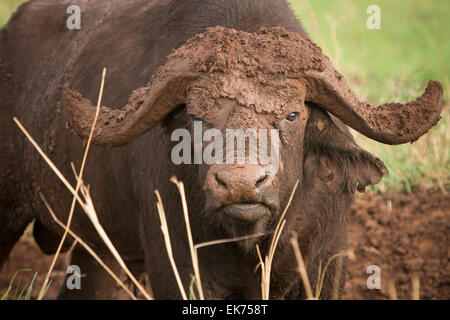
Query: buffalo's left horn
pixel 390 123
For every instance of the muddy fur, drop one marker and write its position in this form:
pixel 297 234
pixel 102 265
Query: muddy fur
pixel 40 59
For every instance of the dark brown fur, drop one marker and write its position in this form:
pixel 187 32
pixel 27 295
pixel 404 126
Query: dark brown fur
pixel 39 58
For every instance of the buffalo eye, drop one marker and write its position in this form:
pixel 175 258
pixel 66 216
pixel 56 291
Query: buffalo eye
pixel 196 118
pixel 292 116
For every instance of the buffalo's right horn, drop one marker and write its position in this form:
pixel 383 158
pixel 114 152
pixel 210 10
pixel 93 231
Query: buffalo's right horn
pixel 146 107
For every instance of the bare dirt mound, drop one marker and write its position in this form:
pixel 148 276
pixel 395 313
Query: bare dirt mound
pixel 405 235
pixel 402 234
pixel 27 255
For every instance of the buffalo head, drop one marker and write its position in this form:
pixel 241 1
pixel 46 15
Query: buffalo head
pixel 267 80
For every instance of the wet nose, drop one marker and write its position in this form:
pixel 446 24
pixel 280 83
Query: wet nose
pixel 245 193
pixel 242 181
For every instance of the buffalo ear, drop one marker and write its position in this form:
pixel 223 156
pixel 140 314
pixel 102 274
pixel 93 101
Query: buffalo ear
pixel 369 173
pixel 340 163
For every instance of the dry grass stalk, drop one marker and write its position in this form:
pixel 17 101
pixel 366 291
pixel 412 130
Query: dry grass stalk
pixel 266 265
pixel 262 265
pixel 337 277
pixel 165 231
pixel 415 292
pixel 391 290
pixel 88 249
pixel 221 241
pixel 321 274
pixel 87 206
pixel 50 164
pixel 164 228
pixel 194 256
pixel 92 214
pixel 301 267
pixel 77 188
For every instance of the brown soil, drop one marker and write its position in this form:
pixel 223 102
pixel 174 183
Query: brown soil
pixel 27 255
pixel 405 235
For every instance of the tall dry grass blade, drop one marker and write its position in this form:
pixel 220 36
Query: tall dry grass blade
pixel 194 256
pixel 263 272
pixel 221 241
pixel 269 259
pixel 168 243
pixel 301 267
pixel 391 290
pixel 415 292
pixel 286 208
pixel 266 266
pixel 349 253
pixel 72 207
pixel 88 248
pixel 337 277
pixel 87 207
pixel 276 238
pixel 92 214
pixel 319 275
pixel 50 163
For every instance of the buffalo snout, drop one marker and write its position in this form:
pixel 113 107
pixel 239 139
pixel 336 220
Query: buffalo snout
pixel 245 193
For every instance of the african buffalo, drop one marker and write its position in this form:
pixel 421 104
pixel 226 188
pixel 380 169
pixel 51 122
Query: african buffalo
pixel 233 64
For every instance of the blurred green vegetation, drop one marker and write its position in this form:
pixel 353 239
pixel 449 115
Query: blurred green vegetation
pixel 390 64
pixel 7 7
pixel 411 47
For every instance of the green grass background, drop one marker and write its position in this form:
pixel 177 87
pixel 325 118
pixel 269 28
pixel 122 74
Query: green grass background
pixel 6 8
pixel 391 64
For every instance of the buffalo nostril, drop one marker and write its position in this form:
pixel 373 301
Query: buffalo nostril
pixel 261 180
pixel 221 182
